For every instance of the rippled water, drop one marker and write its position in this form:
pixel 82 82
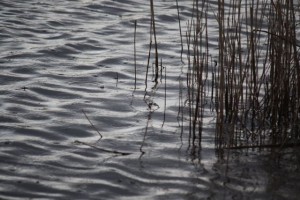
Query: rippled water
pixel 63 59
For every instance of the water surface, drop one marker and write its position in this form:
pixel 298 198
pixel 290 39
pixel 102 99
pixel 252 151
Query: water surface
pixel 63 59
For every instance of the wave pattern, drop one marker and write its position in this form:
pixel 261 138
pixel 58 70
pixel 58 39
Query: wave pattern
pixel 63 59
pixel 59 58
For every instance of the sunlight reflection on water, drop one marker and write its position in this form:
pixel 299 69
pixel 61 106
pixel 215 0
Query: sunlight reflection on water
pixel 59 58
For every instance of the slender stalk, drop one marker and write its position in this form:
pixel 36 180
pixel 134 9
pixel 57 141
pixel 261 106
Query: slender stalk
pixel 149 56
pixel 165 101
pixel 180 33
pixel 92 124
pixel 155 41
pixel 134 42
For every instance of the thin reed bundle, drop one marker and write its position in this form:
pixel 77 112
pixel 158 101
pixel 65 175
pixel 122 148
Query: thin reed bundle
pixel 198 57
pixel 256 80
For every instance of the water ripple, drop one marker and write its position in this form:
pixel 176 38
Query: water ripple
pixel 61 58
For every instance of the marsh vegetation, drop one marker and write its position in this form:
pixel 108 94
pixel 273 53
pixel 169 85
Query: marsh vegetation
pixel 158 99
pixel 252 84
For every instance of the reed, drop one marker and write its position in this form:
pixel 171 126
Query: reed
pixel 180 30
pixel 255 80
pixel 197 57
pixel 165 94
pixel 155 41
pixel 252 82
pixel 134 43
pixel 149 57
pixel 92 125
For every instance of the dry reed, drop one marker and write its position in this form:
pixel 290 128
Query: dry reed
pixel 255 82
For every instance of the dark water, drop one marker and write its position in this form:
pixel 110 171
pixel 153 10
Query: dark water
pixel 59 59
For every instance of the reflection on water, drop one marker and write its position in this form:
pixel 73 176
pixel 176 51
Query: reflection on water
pixel 59 58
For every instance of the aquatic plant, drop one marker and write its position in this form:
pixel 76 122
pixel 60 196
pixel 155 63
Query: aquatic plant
pixel 254 86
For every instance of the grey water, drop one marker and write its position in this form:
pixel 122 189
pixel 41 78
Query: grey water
pixel 67 72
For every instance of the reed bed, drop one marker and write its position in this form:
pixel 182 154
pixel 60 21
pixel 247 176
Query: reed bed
pixel 197 56
pixel 253 85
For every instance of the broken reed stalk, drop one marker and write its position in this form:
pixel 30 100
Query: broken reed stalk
pixel 102 149
pixel 92 124
pixel 93 145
